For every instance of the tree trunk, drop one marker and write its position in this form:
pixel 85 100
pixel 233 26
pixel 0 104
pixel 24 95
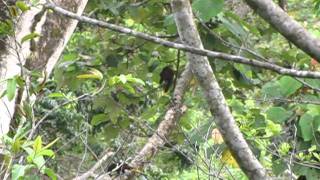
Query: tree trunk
pixel 217 103
pixel 42 55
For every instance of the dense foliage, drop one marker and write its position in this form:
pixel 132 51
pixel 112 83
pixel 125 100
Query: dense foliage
pixel 104 95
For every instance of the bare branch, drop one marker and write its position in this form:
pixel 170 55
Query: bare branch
pixel 203 52
pixel 287 26
pixel 91 172
pixel 217 103
pixel 167 125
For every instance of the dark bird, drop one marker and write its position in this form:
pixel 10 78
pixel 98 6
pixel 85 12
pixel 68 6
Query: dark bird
pixel 120 168
pixel 166 78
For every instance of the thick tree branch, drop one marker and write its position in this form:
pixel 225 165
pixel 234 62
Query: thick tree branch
pixel 287 26
pixel 187 48
pixel 174 112
pixel 203 72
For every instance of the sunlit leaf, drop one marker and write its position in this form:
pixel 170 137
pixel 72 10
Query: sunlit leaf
pixel 228 159
pixel 99 118
pixel 37 146
pixel 22 6
pixel 92 74
pixel 11 88
pixel 29 37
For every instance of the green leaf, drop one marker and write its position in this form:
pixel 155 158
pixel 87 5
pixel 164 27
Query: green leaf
pixel 272 129
pixel 123 78
pixel 111 131
pixel 289 85
pixel 278 166
pixel 99 118
pixel 56 95
pixel 39 161
pixel 22 6
pixel 316 123
pixel 46 152
pixel 18 171
pixel 49 172
pixel 37 146
pixel 29 36
pixel 206 9
pixel 305 124
pixel 278 114
pixel 92 74
pixel 11 88
pixel 271 89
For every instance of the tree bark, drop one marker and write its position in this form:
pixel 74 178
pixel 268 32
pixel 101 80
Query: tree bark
pixel 287 26
pixel 217 103
pixel 55 31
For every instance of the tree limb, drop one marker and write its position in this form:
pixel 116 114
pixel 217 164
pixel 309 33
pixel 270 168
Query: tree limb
pixel 203 72
pixel 287 26
pixel 187 48
pixel 174 113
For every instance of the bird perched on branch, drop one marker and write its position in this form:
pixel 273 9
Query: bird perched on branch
pixel 166 77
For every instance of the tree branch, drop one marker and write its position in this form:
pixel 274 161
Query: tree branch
pixel 174 113
pixel 187 48
pixel 287 26
pixel 91 172
pixel 222 115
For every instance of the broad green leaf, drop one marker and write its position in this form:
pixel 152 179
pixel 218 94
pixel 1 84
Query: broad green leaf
pixel 316 123
pixel 18 171
pixel 234 27
pixel 22 6
pixel 17 145
pixel 46 152
pixel 99 118
pixel 271 89
pixel 11 88
pixel 37 146
pixel 313 82
pixel 49 172
pixel 39 161
pixel 278 114
pixel 289 85
pixel 305 124
pixel 206 9
pixel 29 37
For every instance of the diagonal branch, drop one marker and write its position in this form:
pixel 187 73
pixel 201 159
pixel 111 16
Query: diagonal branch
pixel 187 48
pixel 217 103
pixel 168 123
pixel 287 26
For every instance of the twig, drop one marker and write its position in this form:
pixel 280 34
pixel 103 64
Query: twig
pixel 91 172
